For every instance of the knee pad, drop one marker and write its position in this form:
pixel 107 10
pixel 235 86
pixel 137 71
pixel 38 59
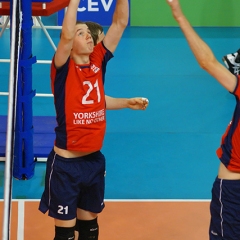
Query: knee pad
pixel 64 233
pixel 88 229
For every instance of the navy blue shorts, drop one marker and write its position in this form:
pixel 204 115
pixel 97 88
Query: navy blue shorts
pixel 72 183
pixel 225 210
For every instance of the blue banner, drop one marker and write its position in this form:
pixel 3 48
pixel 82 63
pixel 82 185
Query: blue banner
pixel 100 11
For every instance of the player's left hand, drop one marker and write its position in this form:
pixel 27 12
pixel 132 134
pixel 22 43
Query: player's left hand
pixel 138 103
pixel 176 8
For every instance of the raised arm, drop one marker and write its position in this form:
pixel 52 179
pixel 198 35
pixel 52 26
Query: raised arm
pixel 67 34
pixel 119 23
pixel 201 50
pixel 136 103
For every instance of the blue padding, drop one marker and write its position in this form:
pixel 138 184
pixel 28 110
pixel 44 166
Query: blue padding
pixel 43 135
pixel 27 25
pixel 26 98
pixel 27 62
pixel 24 173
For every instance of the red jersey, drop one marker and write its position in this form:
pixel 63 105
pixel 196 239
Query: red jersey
pixel 229 151
pixel 79 100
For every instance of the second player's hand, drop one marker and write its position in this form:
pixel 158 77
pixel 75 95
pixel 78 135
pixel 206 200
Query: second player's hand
pixel 176 9
pixel 138 103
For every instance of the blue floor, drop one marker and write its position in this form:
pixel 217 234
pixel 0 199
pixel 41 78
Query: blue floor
pixel 167 151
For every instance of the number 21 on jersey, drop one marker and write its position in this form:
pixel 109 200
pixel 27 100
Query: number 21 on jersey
pixel 90 90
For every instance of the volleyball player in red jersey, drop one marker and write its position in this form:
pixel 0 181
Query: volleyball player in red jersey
pixel 74 184
pixel 225 202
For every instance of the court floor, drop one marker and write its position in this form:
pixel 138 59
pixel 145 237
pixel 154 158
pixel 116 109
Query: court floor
pixel 138 220
pixel 160 162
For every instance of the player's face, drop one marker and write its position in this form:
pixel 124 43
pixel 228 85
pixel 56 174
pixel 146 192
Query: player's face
pixel 83 42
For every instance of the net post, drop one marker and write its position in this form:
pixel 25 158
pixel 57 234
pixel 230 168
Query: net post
pixel 13 73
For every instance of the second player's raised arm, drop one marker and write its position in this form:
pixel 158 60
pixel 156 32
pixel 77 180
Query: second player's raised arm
pixel 201 50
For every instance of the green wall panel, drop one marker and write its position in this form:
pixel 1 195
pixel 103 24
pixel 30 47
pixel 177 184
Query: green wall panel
pixel 199 12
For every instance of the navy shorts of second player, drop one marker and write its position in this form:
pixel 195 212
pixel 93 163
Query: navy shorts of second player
pixel 225 210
